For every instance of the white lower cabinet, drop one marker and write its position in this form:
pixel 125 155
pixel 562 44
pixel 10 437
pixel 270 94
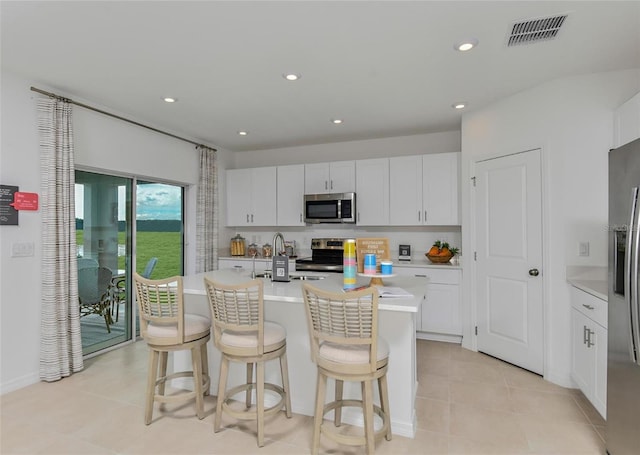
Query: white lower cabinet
pixel 589 347
pixel 439 317
pixel 243 263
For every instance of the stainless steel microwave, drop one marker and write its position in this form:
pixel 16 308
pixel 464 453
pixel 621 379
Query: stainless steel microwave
pixel 330 208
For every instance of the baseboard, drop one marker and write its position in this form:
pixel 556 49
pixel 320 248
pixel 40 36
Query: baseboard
pixel 19 383
pixel 398 427
pixel 439 337
pixel 561 379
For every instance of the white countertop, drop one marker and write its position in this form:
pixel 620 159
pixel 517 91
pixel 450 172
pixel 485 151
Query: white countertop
pixel 590 279
pixel 597 288
pixel 292 291
pixel 424 263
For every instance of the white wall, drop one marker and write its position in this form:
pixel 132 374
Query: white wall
pixel 353 150
pixel 571 120
pixel 101 143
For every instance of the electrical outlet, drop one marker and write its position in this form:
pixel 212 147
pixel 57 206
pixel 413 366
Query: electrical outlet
pixel 22 249
pixel 583 248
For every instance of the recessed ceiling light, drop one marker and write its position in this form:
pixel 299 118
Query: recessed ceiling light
pixel 466 45
pixel 243 133
pixel 291 76
pixel 168 99
pixel 336 121
pixel 459 105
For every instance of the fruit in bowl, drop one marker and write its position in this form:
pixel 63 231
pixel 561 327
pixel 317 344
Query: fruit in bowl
pixel 440 252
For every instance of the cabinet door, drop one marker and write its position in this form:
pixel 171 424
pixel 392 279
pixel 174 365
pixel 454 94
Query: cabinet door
pixel 238 188
pixel 291 195
pixel 441 309
pixel 405 190
pixel 583 362
pixel 372 192
pixel 440 189
pixel 263 197
pixel 599 345
pixel 316 178
pixel 342 177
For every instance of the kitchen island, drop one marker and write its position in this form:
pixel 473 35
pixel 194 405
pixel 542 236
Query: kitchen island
pixel 284 304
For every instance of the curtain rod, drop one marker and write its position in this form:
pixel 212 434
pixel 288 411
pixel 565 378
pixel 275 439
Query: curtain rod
pixel 53 95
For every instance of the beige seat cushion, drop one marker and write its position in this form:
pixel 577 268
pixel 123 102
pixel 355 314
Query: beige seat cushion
pixel 193 325
pixel 352 354
pixel 273 333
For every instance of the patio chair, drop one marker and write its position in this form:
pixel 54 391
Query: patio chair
pixel 94 286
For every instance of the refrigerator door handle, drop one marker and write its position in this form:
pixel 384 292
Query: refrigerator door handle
pixel 631 276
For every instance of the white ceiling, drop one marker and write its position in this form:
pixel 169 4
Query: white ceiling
pixel 388 68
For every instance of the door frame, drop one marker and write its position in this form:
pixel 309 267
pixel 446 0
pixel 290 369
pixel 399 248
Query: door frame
pixel 470 264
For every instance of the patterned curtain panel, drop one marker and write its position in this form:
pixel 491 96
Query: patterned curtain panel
pixel 207 212
pixel 60 341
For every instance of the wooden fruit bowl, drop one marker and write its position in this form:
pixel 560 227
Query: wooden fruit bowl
pixel 439 259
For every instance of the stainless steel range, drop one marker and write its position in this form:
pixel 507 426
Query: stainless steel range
pixel 326 256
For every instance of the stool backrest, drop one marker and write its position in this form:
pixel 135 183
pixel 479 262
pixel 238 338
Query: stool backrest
pixel 346 318
pixel 160 302
pixel 236 307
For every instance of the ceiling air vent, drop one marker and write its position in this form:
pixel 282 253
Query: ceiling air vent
pixel 534 30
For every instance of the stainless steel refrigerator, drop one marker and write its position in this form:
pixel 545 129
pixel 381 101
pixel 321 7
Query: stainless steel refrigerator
pixel 623 370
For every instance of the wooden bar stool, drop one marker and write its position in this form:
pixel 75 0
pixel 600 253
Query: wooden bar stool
pixel 166 328
pixel 345 346
pixel 241 335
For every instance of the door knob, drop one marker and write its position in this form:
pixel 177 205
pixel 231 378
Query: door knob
pixel 534 272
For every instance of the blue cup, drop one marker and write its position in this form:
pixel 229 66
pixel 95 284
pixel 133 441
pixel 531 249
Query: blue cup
pixel 386 267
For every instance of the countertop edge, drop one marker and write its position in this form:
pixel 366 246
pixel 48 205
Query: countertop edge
pixel 597 288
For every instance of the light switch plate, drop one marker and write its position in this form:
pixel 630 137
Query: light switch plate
pixel 583 248
pixel 22 249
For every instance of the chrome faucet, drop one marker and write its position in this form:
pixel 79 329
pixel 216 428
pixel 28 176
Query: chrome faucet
pixel 278 251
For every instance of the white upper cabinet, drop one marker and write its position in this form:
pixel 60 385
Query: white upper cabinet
pixel 440 194
pixel 334 177
pixel 291 195
pixel 405 190
pixel 372 192
pixel 251 197
pixel 423 190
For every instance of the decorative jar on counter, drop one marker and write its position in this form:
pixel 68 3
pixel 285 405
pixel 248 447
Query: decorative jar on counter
pixel 267 251
pixel 237 246
pixel 252 250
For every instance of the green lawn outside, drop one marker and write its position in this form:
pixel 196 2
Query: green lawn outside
pixel 166 246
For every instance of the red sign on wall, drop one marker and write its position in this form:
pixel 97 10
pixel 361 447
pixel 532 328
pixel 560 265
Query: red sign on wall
pixel 25 201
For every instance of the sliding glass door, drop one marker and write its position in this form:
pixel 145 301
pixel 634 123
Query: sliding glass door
pixel 103 235
pixel 109 246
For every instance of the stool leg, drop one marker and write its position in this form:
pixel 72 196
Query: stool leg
pixel 249 381
pixel 284 371
pixel 337 413
pixel 384 403
pixel 367 405
pixel 205 368
pixel 196 361
pixel 319 412
pixel 222 384
pixel 260 401
pixel 151 385
pixel 163 371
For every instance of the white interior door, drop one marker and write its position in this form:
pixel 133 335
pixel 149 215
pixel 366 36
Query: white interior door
pixel 509 259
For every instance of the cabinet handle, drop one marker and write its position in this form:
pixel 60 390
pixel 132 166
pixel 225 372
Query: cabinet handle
pixel 585 336
pixel 325 185
pixel 301 217
pixel 588 307
pixel 252 217
pixel 247 217
pixel 425 216
pixel 589 342
pixel 421 276
pixel 358 217
pixel 331 184
pixel 419 213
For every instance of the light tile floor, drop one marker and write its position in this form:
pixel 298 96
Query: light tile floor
pixel 468 403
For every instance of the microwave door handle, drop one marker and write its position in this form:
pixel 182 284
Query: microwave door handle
pixel 631 277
